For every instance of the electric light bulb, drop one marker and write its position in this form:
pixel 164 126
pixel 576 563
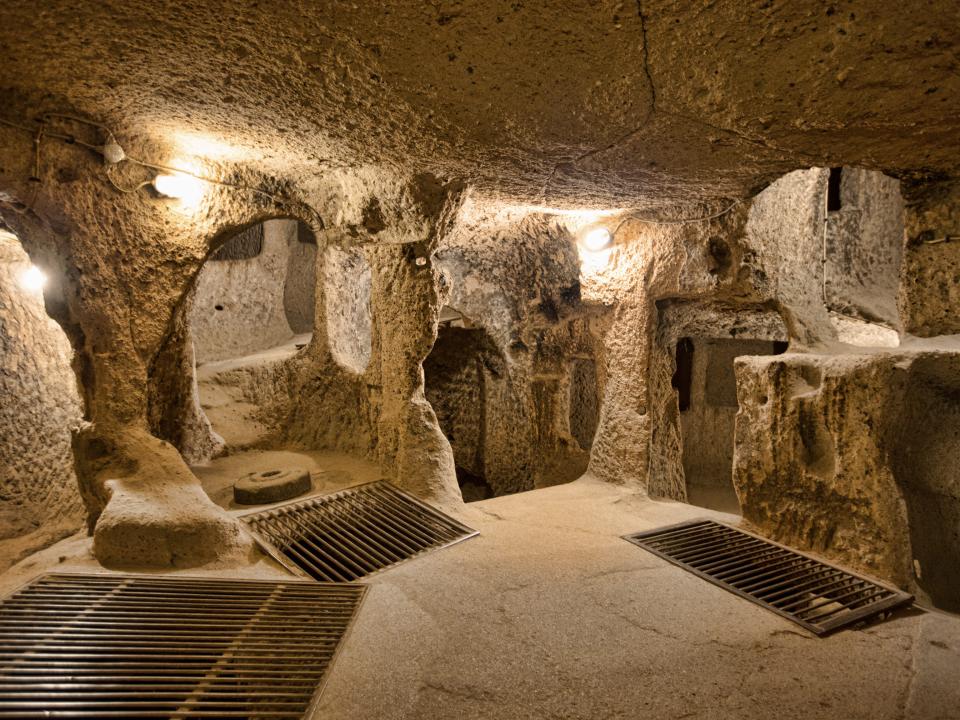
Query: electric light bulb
pixel 596 239
pixel 33 279
pixel 595 262
pixel 186 188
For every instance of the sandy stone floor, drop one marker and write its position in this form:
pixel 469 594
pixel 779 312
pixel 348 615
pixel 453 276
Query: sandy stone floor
pixel 549 614
pixel 329 471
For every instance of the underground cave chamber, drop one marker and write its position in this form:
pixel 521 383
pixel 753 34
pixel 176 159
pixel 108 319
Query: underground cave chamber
pixel 367 362
pixel 504 362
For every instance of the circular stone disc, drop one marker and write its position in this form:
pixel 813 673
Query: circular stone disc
pixel 270 486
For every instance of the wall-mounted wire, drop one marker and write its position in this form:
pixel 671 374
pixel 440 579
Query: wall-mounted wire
pixel 76 119
pixel 68 139
pixel 129 190
pixel 116 154
pixel 679 221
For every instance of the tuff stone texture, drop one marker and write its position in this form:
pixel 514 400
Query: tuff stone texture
pixel 864 247
pixel 621 104
pixel 240 306
pixel 299 291
pixel 439 161
pixel 39 498
pixel 755 255
pixel 155 513
pixel 828 458
pixel 123 310
pixel 346 278
pixel 929 290
pixel 685 444
pixel 173 409
pixel 122 272
pixel 516 283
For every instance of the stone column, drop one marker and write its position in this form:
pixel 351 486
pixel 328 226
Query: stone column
pixel 929 300
pixel 406 306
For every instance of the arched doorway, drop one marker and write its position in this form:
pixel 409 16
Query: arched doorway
pixel 252 306
pixel 455 383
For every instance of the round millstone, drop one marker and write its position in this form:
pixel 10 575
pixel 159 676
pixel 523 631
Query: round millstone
pixel 270 486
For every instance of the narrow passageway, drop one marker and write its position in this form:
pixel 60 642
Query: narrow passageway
pixel 707 398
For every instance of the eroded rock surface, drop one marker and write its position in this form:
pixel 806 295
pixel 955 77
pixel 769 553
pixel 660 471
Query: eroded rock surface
pixel 847 454
pixel 39 497
pixel 446 160
pixel 588 105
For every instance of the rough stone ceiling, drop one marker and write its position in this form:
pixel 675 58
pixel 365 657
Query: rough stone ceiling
pixel 558 103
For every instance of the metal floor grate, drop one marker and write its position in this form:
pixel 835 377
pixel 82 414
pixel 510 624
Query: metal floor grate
pixel 133 646
pixel 353 533
pixel 812 593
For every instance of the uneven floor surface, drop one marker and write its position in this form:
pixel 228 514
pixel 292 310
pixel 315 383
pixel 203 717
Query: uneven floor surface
pixel 329 471
pixel 237 420
pixel 550 614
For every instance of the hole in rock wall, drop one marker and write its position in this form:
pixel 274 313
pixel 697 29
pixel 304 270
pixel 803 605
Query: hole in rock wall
pixel 584 402
pixel 705 378
pixel 834 201
pixel 455 384
pixel 683 376
pixel 252 308
pixel 39 403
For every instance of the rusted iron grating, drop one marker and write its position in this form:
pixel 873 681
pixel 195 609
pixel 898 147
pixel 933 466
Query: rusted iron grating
pixel 134 646
pixel 819 596
pixel 353 533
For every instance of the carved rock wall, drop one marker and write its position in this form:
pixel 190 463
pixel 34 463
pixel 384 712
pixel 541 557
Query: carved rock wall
pixel 930 279
pixel 239 306
pixel 847 455
pixel 864 247
pixel 39 496
pixel 516 282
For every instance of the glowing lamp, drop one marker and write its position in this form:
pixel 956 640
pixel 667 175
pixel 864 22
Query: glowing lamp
pixel 596 239
pixel 33 279
pixel 182 187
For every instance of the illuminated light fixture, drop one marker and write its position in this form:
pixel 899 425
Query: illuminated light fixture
pixel 595 262
pixel 596 239
pixel 182 187
pixel 33 279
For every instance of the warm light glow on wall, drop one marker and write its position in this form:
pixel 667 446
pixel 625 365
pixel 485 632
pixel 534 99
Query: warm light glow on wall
pixel 596 239
pixel 210 147
pixel 595 245
pixel 33 279
pixel 189 190
pixel 592 262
